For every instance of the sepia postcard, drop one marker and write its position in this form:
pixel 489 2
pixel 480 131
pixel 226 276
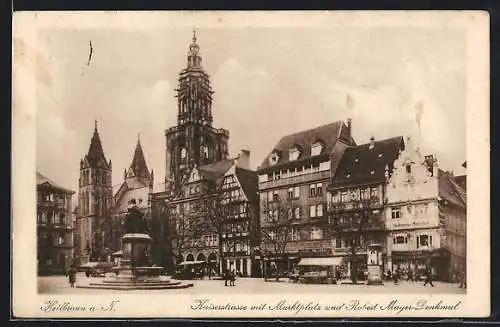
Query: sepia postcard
pixel 328 164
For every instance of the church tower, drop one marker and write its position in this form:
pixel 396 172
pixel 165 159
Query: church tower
pixel 194 141
pixel 94 201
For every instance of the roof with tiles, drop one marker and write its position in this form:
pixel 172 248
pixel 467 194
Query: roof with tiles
pixel 327 135
pixel 249 183
pixel 367 163
pixel 450 191
pixel 41 180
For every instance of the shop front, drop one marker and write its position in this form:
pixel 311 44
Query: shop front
pixel 420 262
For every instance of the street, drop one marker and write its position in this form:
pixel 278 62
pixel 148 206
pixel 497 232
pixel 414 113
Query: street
pixel 60 285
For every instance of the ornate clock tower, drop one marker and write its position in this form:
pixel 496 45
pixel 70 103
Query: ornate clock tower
pixel 193 141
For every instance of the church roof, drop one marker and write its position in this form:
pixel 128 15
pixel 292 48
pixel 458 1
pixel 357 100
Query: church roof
pixel 365 164
pixel 95 153
pixel 41 180
pixel 327 135
pixel 138 165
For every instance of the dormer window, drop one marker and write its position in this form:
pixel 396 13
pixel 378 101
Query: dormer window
pixel 273 159
pixel 294 154
pixel 316 149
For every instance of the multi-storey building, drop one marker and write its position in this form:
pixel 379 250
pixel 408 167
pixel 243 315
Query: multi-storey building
pixel 292 188
pixel 194 141
pixel 356 194
pixel 95 197
pixel 214 216
pixel 425 217
pixel 54 226
pixel 137 185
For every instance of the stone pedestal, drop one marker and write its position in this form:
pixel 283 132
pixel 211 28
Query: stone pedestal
pixel 134 271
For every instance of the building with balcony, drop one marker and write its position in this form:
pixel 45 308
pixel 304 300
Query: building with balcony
pixel 54 226
pixel 356 198
pixel 425 217
pixel 292 188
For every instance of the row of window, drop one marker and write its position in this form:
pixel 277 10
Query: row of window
pixel 314 233
pixel 421 240
pixel 347 241
pixel 294 153
pixel 55 238
pixel 367 193
pixel 398 212
pixel 50 197
pixel 315 190
pixel 51 218
pixel 235 247
pixel 294 172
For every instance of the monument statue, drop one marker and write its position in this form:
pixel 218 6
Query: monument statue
pixel 134 220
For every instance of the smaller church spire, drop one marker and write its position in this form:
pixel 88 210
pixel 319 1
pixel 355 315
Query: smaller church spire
pixel 95 126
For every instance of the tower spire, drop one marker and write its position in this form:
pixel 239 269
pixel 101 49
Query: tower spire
pixel 95 126
pixel 194 35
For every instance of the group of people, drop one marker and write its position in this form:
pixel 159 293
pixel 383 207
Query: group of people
pixel 411 276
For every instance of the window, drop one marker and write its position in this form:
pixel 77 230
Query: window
pixel 354 195
pixel 424 240
pixel 395 213
pixel 374 192
pixel 290 213
pixel 290 193
pixel 408 169
pixel 270 196
pixel 312 211
pixel 338 242
pixel 296 192
pixel 297 213
pixel 365 194
pixel 276 196
pixel 319 210
pixel 204 151
pixel 60 240
pixel 316 233
pixel 400 240
pixel 273 159
pixel 277 175
pixel 319 189
pixel 295 235
pixel 62 216
pixel 343 197
pixel 312 190
pixel 316 149
pixel 183 153
pixel 294 154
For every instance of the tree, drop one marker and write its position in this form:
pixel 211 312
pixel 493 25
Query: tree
pixel 357 226
pixel 217 209
pixel 184 227
pixel 277 230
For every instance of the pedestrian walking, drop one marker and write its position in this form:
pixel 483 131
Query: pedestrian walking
pixel 232 276
pixel 395 277
pixel 463 283
pixel 226 276
pixel 428 278
pixel 72 276
pixel 389 275
pixel 410 275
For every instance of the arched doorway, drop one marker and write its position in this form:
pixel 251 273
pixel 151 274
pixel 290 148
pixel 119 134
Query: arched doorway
pixel 201 257
pixel 190 257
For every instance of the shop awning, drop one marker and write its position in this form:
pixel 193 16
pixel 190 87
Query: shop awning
pixel 117 254
pixel 328 261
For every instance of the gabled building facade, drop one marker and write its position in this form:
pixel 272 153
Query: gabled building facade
pixel 95 199
pixel 292 188
pixel 356 199
pixel 214 216
pixel 54 227
pixel 425 218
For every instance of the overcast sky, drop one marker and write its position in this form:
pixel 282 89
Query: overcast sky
pixel 268 82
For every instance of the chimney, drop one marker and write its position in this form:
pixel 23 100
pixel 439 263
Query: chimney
pixel 372 142
pixel 243 159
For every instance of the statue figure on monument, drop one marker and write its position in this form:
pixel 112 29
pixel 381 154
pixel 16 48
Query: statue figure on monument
pixel 134 221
